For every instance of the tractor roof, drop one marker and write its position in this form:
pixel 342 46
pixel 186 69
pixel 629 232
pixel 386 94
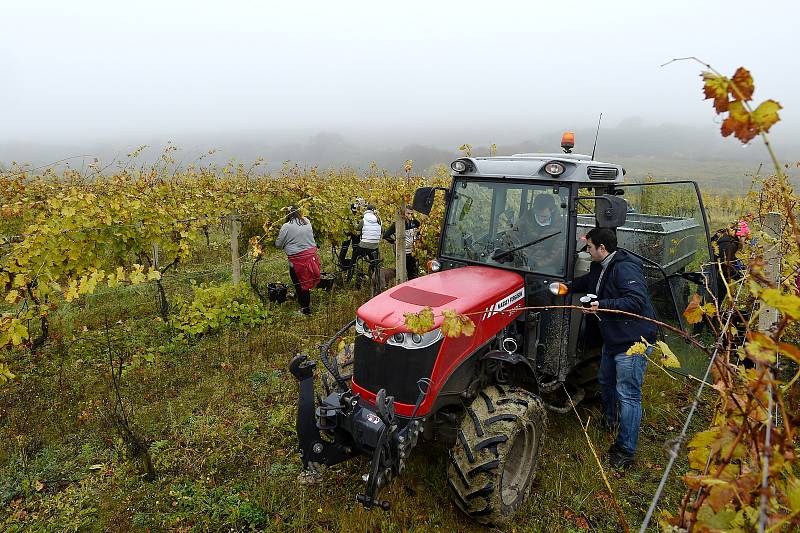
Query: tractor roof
pixel 577 168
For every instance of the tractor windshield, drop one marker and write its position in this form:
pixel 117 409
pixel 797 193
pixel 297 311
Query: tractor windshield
pixel 516 225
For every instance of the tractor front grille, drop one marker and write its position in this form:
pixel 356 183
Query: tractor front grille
pixel 602 173
pixel 384 366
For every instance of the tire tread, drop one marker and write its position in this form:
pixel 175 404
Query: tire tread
pixel 475 469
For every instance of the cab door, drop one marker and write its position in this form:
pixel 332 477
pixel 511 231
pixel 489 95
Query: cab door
pixel 667 228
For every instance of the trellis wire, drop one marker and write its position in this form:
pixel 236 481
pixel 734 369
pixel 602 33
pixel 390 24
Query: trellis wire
pixel 673 454
pixel 6 240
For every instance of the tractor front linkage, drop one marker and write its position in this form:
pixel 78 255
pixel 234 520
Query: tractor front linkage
pixel 343 425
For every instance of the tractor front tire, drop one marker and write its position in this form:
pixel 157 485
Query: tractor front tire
pixel 495 457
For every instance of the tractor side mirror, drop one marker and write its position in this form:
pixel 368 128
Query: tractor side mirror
pixel 423 200
pixel 610 211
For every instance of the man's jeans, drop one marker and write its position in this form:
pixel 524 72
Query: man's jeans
pixel 621 378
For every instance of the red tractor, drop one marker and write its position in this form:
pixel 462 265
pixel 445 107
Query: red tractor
pixel 511 240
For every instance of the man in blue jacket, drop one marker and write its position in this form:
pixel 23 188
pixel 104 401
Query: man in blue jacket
pixel 617 278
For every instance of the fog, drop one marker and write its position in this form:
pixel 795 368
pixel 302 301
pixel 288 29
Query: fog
pixel 352 82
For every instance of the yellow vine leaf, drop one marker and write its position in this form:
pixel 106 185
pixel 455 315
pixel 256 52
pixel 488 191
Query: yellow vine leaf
pixel 153 274
pixel 638 348
pixel 712 481
pixel 82 284
pixel 701 446
pixel 257 249
pixel 420 322
pixel 17 332
pixel 786 304
pixel 89 283
pixel 704 439
pixel 668 358
pixel 716 88
pixel 455 325
pixel 72 290
pixel 137 276
pixel 762 348
pixel 720 521
pixel 12 296
pixel 793 493
pixel 5 373
pixel 766 115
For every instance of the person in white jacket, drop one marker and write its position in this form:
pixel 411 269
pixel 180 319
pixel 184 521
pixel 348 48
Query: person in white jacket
pixel 370 228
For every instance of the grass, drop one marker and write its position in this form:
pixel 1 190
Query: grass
pixel 218 414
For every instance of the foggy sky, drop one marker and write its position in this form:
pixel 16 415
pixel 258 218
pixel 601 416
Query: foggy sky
pixel 382 75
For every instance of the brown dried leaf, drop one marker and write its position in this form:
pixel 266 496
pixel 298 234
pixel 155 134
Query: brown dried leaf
pixel 693 311
pixel 739 123
pixel 744 83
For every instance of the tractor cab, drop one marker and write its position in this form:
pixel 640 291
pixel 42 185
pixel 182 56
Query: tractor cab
pixel 529 213
pixel 512 241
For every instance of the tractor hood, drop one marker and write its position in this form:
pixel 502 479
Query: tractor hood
pixel 469 289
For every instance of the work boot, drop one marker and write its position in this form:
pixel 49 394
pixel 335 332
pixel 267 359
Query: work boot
pixel 619 459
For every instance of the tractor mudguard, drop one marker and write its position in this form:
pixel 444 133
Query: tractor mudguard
pixel 528 374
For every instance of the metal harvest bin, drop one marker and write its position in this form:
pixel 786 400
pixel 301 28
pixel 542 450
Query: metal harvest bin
pixel 669 241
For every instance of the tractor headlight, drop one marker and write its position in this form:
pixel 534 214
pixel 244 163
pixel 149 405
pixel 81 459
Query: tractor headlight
pixel 459 166
pixel 362 328
pixel 415 341
pixel 554 168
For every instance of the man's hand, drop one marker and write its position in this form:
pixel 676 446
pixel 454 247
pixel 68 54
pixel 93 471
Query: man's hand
pixel 593 307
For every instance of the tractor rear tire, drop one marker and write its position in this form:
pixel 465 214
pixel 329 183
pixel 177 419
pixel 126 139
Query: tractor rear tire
pixel 496 455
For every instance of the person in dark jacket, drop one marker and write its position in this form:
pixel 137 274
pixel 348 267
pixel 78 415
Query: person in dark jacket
pixel 543 219
pixel 617 278
pixel 411 230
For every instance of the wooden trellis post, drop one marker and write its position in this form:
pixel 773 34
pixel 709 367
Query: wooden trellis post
pixel 236 266
pixel 773 226
pixel 400 245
